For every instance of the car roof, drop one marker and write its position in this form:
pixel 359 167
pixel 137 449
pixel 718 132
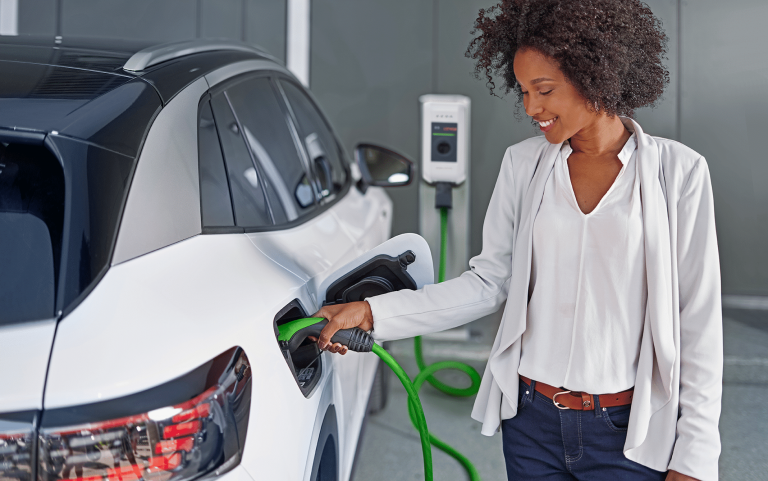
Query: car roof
pixel 80 87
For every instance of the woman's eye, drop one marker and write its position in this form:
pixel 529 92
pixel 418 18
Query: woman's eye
pixel 547 92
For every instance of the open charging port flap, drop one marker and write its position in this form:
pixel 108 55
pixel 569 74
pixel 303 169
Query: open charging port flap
pixel 379 275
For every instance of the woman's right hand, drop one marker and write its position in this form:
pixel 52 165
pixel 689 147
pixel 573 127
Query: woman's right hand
pixel 343 316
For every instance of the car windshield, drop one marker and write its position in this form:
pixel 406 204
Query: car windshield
pixel 58 222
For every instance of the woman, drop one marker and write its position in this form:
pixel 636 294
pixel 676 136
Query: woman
pixel 601 238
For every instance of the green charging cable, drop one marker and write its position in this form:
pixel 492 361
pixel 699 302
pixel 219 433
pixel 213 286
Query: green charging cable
pixel 292 334
pixel 426 372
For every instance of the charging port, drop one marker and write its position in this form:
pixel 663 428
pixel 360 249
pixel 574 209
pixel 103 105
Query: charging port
pixel 305 362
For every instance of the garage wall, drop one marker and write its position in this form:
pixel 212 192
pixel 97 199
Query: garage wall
pixel 257 21
pixel 723 112
pixel 370 61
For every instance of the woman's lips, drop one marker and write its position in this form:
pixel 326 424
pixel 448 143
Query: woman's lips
pixel 549 125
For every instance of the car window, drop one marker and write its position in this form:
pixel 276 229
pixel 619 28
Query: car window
pixel 31 226
pixel 246 184
pixel 215 201
pixel 318 139
pixel 267 132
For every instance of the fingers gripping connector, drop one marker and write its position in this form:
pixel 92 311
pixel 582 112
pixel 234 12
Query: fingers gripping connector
pixel 294 332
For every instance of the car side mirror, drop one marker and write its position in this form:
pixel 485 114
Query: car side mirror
pixel 382 167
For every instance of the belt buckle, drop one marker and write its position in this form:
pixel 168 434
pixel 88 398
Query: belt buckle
pixel 557 404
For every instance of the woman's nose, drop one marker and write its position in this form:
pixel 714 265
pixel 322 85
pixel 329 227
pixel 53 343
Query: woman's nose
pixel 532 108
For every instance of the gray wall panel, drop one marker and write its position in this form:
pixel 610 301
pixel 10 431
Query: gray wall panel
pixel 370 62
pixel 266 25
pixel 724 85
pixel 37 17
pixel 260 22
pixel 221 19
pixel 167 21
pixel 662 120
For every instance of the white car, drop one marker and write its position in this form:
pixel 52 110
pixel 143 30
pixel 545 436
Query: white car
pixel 162 211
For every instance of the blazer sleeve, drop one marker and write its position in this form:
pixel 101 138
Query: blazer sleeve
pixel 476 293
pixel 697 446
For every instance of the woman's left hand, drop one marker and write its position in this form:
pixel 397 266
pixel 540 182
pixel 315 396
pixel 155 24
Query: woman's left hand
pixel 675 476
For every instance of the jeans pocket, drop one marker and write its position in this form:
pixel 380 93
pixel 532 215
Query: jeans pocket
pixel 523 391
pixel 617 417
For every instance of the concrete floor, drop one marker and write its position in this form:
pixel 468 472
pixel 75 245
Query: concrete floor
pixel 390 447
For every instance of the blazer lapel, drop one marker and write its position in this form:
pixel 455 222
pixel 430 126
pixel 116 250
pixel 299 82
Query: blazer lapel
pixel 515 312
pixel 658 258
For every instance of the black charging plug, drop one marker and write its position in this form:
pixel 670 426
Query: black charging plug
pixel 443 195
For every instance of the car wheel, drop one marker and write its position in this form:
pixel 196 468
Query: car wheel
pixel 378 399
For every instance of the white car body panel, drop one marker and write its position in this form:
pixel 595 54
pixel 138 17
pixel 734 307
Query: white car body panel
pixel 168 311
pixel 24 351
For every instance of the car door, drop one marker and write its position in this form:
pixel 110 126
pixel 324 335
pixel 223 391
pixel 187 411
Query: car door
pixel 365 218
pixel 283 200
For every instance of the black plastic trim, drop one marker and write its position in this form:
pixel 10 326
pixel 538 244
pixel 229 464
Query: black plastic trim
pixel 223 230
pixel 379 275
pixel 20 416
pixel 61 309
pixel 206 98
pixel 307 351
pixel 443 195
pixel 30 137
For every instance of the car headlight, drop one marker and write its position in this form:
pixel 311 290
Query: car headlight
pixel 192 426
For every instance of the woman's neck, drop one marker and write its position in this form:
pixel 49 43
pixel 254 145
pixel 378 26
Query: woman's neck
pixel 604 136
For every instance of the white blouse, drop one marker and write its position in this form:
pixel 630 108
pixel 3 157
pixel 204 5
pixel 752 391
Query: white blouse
pixel 588 284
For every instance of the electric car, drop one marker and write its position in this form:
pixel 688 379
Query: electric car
pixel 162 211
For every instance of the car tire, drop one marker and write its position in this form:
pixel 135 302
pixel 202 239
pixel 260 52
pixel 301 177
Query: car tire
pixel 378 398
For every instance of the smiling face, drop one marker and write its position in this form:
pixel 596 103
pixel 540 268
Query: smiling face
pixel 555 104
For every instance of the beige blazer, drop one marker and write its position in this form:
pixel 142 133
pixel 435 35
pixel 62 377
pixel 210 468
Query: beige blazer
pixel 676 407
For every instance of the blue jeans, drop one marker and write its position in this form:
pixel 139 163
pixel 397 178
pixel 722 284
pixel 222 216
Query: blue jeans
pixel 544 442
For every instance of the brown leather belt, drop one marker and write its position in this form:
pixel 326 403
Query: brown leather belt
pixel 580 401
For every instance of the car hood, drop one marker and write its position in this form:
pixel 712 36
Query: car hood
pixel 24 353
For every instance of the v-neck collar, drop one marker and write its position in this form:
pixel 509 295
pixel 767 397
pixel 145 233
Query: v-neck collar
pixel 626 152
pixel 565 151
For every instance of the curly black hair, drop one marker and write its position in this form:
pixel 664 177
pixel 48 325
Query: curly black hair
pixel 610 50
